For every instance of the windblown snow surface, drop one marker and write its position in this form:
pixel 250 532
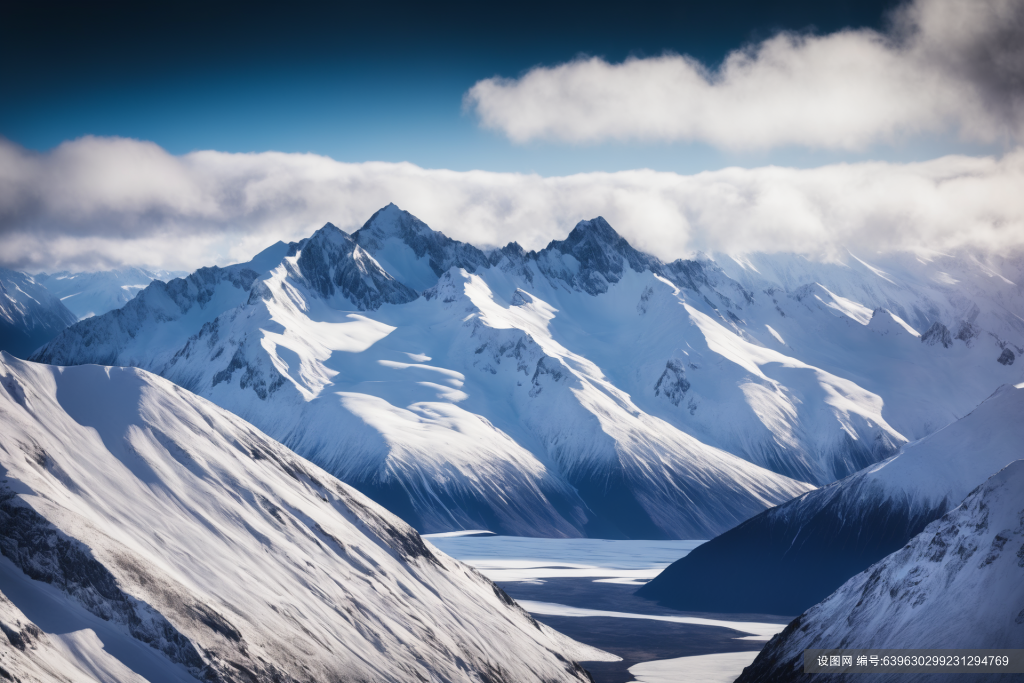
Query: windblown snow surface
pixel 583 389
pixel 140 514
pixel 957 584
pixel 808 547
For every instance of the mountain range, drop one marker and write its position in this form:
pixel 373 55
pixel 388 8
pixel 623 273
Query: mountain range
pixel 583 389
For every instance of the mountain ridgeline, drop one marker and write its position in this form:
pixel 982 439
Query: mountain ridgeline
pixel 583 389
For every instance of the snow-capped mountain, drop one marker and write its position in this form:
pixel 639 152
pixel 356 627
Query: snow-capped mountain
pixel 410 407
pixel 145 530
pixel 808 547
pixel 957 584
pixel 93 293
pixel 407 248
pixel 30 315
pixel 425 371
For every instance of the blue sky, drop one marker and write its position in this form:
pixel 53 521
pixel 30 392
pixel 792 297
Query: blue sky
pixel 357 83
pixel 185 134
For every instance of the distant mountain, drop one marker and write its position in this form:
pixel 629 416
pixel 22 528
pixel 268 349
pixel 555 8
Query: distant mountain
pixel 608 389
pixel 30 315
pixel 161 317
pixel 958 584
pixel 808 547
pixel 148 535
pixel 94 293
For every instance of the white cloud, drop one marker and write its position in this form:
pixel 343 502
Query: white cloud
pixel 944 66
pixel 97 202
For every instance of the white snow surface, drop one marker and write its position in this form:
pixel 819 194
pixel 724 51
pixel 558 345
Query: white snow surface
pixel 957 584
pixel 511 558
pixel 722 667
pixel 231 550
pixel 759 631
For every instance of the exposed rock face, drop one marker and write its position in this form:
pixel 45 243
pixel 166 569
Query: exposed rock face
pixel 1006 357
pixel 937 334
pixel 333 264
pixel 672 384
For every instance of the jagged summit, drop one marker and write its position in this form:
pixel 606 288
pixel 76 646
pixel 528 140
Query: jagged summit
pixel 411 251
pixel 332 263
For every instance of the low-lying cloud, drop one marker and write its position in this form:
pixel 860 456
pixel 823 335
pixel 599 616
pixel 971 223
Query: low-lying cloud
pixel 943 67
pixel 100 202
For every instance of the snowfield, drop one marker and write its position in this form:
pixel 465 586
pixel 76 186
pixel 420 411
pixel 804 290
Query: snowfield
pixel 147 515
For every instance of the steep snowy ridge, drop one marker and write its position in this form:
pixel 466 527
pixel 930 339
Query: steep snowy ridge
pixel 809 546
pixel 957 584
pixel 231 557
pixel 94 293
pixel 30 315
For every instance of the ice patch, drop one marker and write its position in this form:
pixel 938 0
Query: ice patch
pixel 516 558
pixel 757 630
pixel 717 668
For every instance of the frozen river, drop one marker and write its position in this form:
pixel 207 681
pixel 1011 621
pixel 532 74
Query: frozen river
pixel 584 588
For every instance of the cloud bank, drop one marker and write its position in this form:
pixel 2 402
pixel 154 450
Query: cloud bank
pixel 944 66
pixel 101 202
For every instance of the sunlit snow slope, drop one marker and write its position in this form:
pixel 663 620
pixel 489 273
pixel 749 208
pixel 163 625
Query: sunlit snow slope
pixel 226 556
pixel 808 547
pixel 957 584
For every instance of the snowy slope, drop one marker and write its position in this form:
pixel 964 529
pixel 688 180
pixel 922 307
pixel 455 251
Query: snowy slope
pixel 182 527
pixel 807 547
pixel 30 315
pixel 957 584
pixel 94 293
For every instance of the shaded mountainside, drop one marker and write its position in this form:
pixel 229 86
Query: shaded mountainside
pixel 808 547
pixel 169 522
pixel 957 584
pixel 30 315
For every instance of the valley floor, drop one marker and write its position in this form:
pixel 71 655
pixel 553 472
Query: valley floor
pixel 585 589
